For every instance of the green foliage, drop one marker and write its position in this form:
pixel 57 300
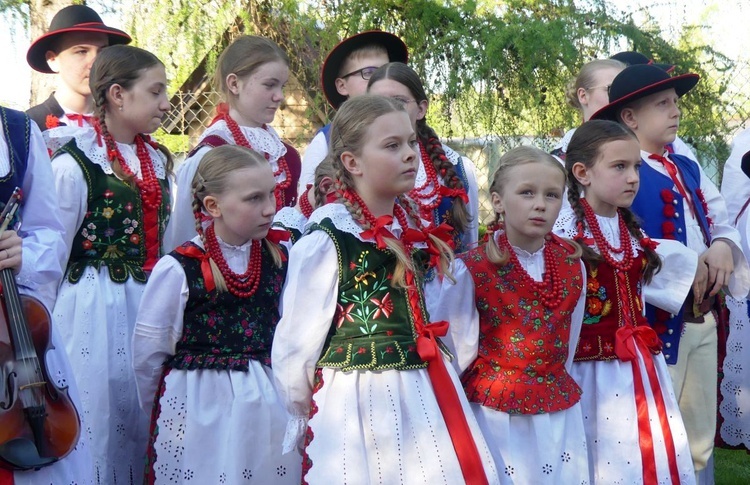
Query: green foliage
pixel 493 67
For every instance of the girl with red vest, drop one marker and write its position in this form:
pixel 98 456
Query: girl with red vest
pixel 523 300
pixel 251 74
pixel 634 430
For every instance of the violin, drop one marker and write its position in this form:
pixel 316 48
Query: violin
pixel 38 422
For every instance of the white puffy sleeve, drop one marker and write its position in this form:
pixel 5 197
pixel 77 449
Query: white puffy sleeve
pixel 43 253
pixel 181 227
pixel 308 305
pixel 314 154
pixel 72 195
pixel 670 286
pixel 158 326
pixel 576 321
pixel 471 236
pixel 455 303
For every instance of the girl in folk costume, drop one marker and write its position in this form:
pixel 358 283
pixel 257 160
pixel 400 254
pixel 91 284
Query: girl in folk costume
pixel 522 296
pixel 202 342
pixel 634 430
pixel 588 92
pixel 114 194
pixel 356 360
pixel 251 73
pixel 34 253
pixel 322 191
pixel 446 186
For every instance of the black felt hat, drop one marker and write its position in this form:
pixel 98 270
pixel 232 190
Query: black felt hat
pixel 632 58
pixel 638 81
pixel 396 48
pixel 73 18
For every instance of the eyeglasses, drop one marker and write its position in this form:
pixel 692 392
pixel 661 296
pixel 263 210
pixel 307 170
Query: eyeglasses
pixel 606 87
pixel 365 72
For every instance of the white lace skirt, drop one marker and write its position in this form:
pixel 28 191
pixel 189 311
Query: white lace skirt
pixel 735 387
pixel 610 418
pixel 385 428
pixel 95 318
pixel 221 427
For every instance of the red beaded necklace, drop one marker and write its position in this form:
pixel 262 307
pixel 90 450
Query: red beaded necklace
pixel 431 182
pixel 606 249
pixel 237 284
pixel 148 185
pixel 304 203
pixel 369 217
pixel 241 140
pixel 550 289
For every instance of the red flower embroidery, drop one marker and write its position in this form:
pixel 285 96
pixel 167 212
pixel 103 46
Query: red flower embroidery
pixel 385 305
pixel 389 332
pixel 361 350
pixel 594 306
pixel 339 350
pixel 352 265
pixel 129 207
pixel 344 314
pixel 87 244
pixel 52 121
pixel 389 350
pixel 135 238
pixel 108 194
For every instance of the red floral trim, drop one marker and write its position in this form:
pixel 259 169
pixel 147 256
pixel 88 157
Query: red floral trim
pixel 704 204
pixel 51 121
pixel 309 435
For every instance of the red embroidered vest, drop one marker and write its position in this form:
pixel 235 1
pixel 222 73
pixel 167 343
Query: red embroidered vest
pixel 523 345
pixel 611 300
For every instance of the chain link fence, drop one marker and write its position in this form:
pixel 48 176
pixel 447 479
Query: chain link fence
pixel 297 123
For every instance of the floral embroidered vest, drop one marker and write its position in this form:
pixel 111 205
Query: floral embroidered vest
pixel 523 345
pixel 373 328
pixel 611 299
pixel 16 127
pixel 112 233
pixel 221 330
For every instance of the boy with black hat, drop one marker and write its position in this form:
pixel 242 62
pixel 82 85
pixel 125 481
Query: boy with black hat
pixel 676 200
pixel 345 73
pixel 75 36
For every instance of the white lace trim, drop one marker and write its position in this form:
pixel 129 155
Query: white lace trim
pixel 88 142
pixel 565 226
pixel 290 218
pixel 262 140
pixel 295 432
pixel 343 221
pixel 236 256
pixel 565 140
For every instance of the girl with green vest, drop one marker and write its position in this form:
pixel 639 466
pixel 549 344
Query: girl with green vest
pixel 356 358
pixel 113 190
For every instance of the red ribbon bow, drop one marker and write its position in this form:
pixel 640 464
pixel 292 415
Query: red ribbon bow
pixel 427 346
pixel 192 251
pixel 80 118
pixel 448 192
pixel 277 235
pixel 647 242
pixel 627 337
pixel 379 232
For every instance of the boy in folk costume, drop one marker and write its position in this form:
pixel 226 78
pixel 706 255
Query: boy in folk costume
pixel 678 201
pixel 75 37
pixel 345 74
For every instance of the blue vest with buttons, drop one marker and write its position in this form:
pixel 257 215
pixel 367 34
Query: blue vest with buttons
pixel 649 207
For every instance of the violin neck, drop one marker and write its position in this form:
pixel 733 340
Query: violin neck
pixel 23 345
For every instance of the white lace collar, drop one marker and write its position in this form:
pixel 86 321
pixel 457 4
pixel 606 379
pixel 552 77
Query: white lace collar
pixel 565 140
pixel 290 218
pixel 565 226
pixel 263 140
pixel 92 146
pixel 343 221
pixel 236 256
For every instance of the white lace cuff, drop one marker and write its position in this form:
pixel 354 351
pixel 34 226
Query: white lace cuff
pixel 295 433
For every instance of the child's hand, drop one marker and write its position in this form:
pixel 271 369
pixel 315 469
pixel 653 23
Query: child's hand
pixel 720 264
pixel 700 281
pixel 10 251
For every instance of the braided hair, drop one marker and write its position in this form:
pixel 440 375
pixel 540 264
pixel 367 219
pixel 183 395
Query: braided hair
pixel 349 131
pixel 122 65
pixel 585 148
pixel 401 73
pixel 212 177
